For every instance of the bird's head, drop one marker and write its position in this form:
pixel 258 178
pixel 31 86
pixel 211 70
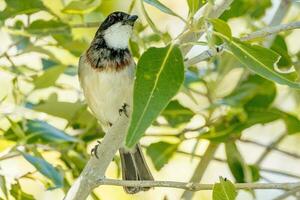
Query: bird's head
pixel 116 29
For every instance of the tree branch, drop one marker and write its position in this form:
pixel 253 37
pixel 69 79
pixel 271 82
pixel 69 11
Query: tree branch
pixel 255 35
pixel 95 169
pixel 191 186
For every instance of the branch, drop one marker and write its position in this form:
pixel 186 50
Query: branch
pixel 265 32
pixel 95 169
pixel 191 186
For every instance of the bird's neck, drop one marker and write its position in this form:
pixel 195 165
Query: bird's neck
pixel 101 56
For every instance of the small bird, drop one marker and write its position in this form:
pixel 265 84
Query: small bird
pixel 106 75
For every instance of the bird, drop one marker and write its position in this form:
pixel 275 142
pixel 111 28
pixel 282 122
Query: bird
pixel 106 75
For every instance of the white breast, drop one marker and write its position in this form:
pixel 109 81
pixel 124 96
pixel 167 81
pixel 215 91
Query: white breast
pixel 106 91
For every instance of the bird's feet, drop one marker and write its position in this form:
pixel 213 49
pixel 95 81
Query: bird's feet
pixel 94 150
pixel 124 109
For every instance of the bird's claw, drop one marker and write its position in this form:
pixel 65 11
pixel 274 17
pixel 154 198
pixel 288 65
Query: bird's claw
pixel 123 110
pixel 94 150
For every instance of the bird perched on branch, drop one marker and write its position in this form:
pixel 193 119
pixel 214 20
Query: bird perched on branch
pixel 106 74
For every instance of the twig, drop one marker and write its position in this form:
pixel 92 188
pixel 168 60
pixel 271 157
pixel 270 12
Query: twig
pixel 272 148
pixel 201 168
pixel 191 186
pixel 287 194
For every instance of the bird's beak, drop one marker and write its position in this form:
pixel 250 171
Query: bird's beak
pixel 131 19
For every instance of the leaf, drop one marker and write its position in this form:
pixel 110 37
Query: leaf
pixel 81 7
pixel 19 7
pixel 221 27
pixel 252 8
pixel 161 7
pixel 224 190
pixel 261 61
pixel 176 114
pixel 239 169
pixel 49 77
pixel 46 169
pixel 160 73
pixel 75 113
pixel 3 186
pixel 76 47
pixel 254 91
pixel 194 6
pixel 280 47
pixel 160 153
pixel 18 193
pixel 44 27
pixel 44 131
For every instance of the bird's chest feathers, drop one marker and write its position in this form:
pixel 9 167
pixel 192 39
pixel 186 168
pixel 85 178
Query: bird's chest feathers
pixel 107 91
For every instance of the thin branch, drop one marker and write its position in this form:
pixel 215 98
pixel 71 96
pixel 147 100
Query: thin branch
pixel 201 168
pixel 272 148
pixel 267 170
pixel 191 186
pixel 288 193
pixel 255 35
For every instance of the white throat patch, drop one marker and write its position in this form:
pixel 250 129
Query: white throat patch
pixel 117 36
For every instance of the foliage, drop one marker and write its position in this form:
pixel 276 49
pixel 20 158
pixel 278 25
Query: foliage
pixel 49 115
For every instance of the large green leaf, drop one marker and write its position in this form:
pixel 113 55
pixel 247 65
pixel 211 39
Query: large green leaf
pixel 19 7
pixel 224 190
pixel 160 153
pixel 258 59
pixel 261 61
pixel 176 114
pixel 46 169
pixel 49 77
pixel 160 73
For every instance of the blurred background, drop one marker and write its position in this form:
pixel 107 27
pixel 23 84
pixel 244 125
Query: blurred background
pixel 45 124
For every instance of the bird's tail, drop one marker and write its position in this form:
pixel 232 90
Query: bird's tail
pixel 134 167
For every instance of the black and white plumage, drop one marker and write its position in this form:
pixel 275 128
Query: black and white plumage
pixel 106 74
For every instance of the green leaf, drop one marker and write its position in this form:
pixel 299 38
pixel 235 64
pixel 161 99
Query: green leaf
pixel 254 91
pixel 18 193
pixel 49 77
pixel 43 27
pixel 159 76
pixel 252 8
pixel 280 47
pixel 261 61
pixel 46 169
pixel 81 7
pixel 239 169
pixel 224 190
pixel 75 113
pixel 44 131
pixel 221 27
pixel 161 7
pixel 3 186
pixel 176 114
pixel 76 47
pixel 160 153
pixel 19 7
pixel 194 6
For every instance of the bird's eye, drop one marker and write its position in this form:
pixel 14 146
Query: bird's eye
pixel 111 20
